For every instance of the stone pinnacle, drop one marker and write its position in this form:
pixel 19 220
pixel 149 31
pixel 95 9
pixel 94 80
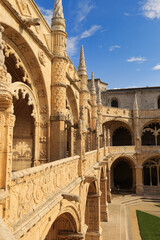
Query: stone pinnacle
pixel 58 9
pixel 93 88
pixel 82 65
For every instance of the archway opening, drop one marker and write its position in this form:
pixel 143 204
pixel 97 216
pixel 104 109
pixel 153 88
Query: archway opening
pixel 64 227
pixel 121 137
pixel 151 172
pixel 114 103
pixel 151 135
pixel 122 175
pixel 23 135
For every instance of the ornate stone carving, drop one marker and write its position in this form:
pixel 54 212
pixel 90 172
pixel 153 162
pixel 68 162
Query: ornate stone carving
pixel 58 9
pixel 23 7
pixel 2 121
pixel 71 197
pixel 41 93
pixel 19 64
pixel 31 22
pixel 43 139
pixel 25 90
pixel 42 58
pixel 43 109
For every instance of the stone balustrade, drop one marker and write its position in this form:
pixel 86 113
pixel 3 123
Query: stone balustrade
pixel 32 187
pixel 121 149
pixel 90 160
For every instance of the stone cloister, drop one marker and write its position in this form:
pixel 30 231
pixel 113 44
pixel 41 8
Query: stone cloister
pixel 66 143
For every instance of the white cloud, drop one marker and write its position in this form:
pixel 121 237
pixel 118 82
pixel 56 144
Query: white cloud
pixel 112 48
pixel 72 43
pixel 84 8
pixel 90 32
pixel 157 67
pixel 151 9
pixel 127 14
pixel 137 59
pixel 47 13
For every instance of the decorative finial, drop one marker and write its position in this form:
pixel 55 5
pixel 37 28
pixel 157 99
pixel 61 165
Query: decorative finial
pixel 82 65
pixel 58 21
pixel 58 9
pixel 135 105
pixel 99 96
pixel 93 88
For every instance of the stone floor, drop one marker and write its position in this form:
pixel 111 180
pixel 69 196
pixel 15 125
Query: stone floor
pixel 122 223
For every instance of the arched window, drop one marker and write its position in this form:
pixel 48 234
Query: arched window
pixel 121 137
pixel 158 103
pixel 151 171
pixel 114 103
pixel 151 135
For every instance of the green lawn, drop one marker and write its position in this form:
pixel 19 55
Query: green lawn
pixel 157 205
pixel 149 226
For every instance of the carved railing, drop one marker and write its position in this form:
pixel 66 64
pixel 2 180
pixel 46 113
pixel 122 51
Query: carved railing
pixel 101 154
pixel 90 160
pixel 121 149
pixel 32 187
pixel 148 149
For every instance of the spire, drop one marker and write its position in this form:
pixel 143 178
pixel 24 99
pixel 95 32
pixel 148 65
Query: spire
pixel 58 21
pixel 99 96
pixel 135 105
pixel 93 88
pixel 82 65
pixel 58 9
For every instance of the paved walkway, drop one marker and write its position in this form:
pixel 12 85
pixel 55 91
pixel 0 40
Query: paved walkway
pixel 123 223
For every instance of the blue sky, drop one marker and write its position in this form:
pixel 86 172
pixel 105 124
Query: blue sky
pixel 121 38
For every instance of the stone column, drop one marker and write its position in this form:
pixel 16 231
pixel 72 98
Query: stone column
pixel 104 204
pixel 108 184
pixel 139 180
pixel 58 84
pixel 93 218
pixel 105 140
pixel 7 120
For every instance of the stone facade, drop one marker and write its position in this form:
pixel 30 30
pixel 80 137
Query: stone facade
pixel 64 145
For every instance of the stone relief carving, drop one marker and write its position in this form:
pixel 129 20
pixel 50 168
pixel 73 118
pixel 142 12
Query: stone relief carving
pixel 19 64
pixel 24 7
pixel 25 90
pixel 2 122
pixel 42 58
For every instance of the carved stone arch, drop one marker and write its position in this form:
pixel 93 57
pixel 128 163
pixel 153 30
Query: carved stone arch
pixel 23 94
pixel 72 103
pixel 151 156
pixel 28 59
pixel 151 172
pixel 150 134
pixel 123 173
pixel 113 125
pixel 11 51
pixel 71 121
pixel 126 156
pixel 70 216
pixel 25 90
